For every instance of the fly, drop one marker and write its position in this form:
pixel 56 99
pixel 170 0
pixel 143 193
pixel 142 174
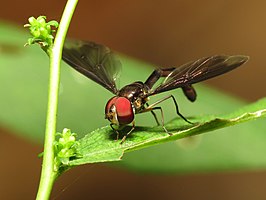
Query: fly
pixel 101 65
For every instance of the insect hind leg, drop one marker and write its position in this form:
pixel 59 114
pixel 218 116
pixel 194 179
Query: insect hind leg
pixel 177 110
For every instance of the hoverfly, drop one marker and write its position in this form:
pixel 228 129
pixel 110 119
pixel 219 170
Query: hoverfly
pixel 101 65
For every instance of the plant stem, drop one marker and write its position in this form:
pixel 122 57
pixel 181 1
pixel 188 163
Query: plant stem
pixel 49 174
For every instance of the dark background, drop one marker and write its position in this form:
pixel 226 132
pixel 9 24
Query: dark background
pixel 165 33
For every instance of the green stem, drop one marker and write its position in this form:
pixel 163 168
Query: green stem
pixel 49 174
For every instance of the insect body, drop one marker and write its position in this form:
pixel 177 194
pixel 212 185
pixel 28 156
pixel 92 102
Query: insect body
pixel 98 63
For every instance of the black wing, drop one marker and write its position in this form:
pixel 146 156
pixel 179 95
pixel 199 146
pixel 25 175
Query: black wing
pixel 95 61
pixel 199 70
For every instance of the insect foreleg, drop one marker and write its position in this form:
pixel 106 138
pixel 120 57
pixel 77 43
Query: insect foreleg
pixel 117 133
pixel 128 133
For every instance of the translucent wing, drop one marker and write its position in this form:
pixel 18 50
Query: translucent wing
pixel 95 61
pixel 199 70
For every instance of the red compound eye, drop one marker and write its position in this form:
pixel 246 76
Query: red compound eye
pixel 122 108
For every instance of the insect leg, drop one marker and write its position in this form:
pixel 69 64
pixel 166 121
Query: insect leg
pixel 156 74
pixel 151 109
pixel 117 133
pixel 132 128
pixel 154 115
pixel 176 106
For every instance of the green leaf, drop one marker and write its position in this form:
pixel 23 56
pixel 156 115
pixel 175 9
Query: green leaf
pixel 99 146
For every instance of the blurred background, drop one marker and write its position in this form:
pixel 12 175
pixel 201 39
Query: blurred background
pixel 165 33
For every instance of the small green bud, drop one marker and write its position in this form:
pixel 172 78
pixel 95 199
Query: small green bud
pixel 65 147
pixel 41 31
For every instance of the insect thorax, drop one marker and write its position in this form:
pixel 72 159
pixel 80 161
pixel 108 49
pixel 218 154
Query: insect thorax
pixel 136 93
